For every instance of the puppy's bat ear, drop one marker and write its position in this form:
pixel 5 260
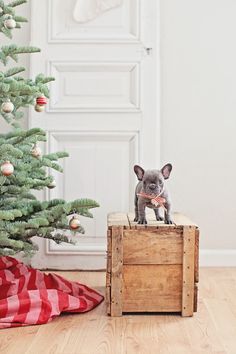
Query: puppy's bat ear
pixel 166 170
pixel 139 171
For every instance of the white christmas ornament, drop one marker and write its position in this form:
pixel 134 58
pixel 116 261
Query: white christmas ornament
pixel 7 168
pixel 10 23
pixel 36 151
pixel 1 10
pixel 87 10
pixel 52 184
pixel 39 108
pixel 7 107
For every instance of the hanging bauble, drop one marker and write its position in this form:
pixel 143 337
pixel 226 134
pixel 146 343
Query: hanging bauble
pixel 10 23
pixel 74 222
pixel 7 107
pixel 7 168
pixel 39 108
pixel 1 10
pixel 52 184
pixel 41 100
pixel 36 151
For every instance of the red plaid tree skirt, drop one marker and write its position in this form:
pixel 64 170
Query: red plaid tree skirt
pixel 28 296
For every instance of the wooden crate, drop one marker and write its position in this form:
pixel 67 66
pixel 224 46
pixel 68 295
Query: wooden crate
pixel 152 268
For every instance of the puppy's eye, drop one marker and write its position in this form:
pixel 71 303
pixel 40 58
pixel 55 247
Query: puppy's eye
pixel 161 183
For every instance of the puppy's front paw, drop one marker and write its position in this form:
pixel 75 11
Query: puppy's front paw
pixel 159 218
pixel 142 221
pixel 168 221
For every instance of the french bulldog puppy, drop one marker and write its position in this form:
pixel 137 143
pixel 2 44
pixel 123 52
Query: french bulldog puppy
pixel 152 184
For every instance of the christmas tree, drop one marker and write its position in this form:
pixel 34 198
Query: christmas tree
pixel 23 166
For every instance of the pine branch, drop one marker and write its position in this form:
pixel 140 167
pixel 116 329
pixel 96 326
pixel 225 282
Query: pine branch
pixel 20 19
pixel 13 244
pixel 14 71
pixel 6 150
pixel 12 51
pixel 84 203
pixel 17 3
pixel 6 31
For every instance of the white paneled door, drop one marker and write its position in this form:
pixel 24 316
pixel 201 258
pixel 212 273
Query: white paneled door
pixel 103 110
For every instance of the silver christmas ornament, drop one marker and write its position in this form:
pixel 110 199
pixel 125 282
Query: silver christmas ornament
pixel 74 223
pixel 10 23
pixel 52 184
pixel 7 107
pixel 36 151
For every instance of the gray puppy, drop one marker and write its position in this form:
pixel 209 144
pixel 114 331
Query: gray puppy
pixel 152 184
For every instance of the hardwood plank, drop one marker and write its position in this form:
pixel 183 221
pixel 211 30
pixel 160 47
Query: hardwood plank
pixel 15 340
pixel 147 287
pixel 116 268
pixel 188 270
pixel 152 247
pixel 202 332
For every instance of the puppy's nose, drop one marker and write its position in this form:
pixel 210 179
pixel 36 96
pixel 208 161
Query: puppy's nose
pixel 152 186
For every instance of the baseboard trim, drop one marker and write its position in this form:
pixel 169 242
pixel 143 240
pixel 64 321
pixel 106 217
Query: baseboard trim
pixel 217 258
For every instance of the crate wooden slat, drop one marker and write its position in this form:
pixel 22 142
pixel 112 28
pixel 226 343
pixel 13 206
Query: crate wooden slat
pixel 160 283
pixel 116 271
pixel 146 248
pixel 152 268
pixel 116 219
pixel 108 273
pixel 188 270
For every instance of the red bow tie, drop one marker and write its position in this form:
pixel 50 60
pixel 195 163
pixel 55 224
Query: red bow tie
pixel 155 200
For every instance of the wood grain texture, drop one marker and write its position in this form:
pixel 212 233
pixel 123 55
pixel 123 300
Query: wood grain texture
pixel 108 273
pixel 211 330
pixel 152 247
pixel 116 270
pixel 195 299
pixel 196 260
pixel 188 270
pixel 154 244
pixel 178 218
pixel 150 287
pixel 116 219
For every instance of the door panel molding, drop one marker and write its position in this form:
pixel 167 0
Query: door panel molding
pixel 102 151
pixel 94 86
pixel 121 25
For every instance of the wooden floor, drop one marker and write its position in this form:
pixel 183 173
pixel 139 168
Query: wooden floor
pixel 211 330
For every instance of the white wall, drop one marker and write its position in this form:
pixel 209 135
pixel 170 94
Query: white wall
pixel 199 116
pixel 21 37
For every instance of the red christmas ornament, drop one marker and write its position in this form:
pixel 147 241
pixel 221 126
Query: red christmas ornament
pixel 41 101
